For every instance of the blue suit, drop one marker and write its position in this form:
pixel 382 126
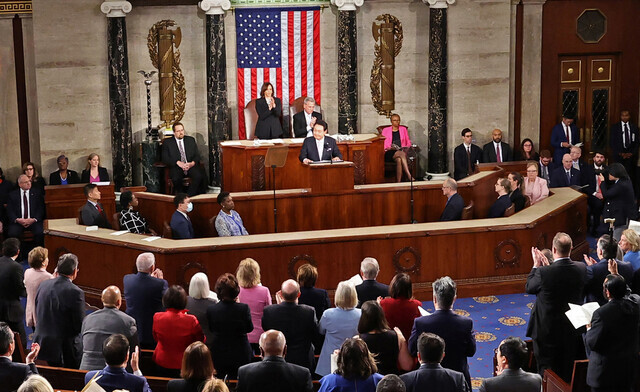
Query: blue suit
pixel 310 150
pixel 117 378
pixel 499 207
pixel 595 277
pixel 181 227
pixel 558 136
pixel 432 376
pixel 558 178
pixel 143 294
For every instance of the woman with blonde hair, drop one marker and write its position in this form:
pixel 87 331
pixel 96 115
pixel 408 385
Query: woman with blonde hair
pixel 94 172
pixel 215 385
pixel 630 244
pixel 254 294
pixel 38 261
pixel 35 383
pixel 199 299
pixel 536 187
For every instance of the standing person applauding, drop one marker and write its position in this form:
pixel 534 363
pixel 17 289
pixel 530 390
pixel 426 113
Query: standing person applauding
pixel 269 108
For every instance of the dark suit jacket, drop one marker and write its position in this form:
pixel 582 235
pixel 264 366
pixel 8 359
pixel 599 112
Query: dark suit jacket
pixel 102 173
pixel 457 332
pixel 617 144
pixel 595 278
pixel 310 151
pixel 143 294
pixel 517 199
pixel 59 311
pixel 619 202
pixel 72 177
pixel 613 341
pixel 589 179
pixel 190 385
pixel 268 125
pixel 489 152
pixel 171 154
pixel 512 380
pixel 453 210
pixel 461 169
pixel 558 136
pixel 300 123
pixel 91 216
pixel 181 227
pixel 229 322
pixel 273 374
pixel 299 325
pixel 434 377
pixel 316 298
pixel 11 289
pixel 14 205
pixel 550 168
pixel 12 374
pixel 118 378
pixel 559 178
pixel 371 289
pixel 499 207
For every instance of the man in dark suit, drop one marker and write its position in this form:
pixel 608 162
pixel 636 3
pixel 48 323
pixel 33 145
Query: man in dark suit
pixel 598 271
pixel 93 212
pixel 181 154
pixel 556 343
pixel 511 355
pixel 565 175
pixel 304 121
pixel 59 310
pixel 465 156
pixel 591 177
pixel 624 141
pixel 453 209
pixel 613 339
pixel 577 162
pixel 12 374
pixel 25 211
pixel 545 165
pixel 273 373
pixel 431 375
pixel 12 288
pixel 497 150
pixel 143 293
pixel 320 147
pixel 181 227
pixel 115 351
pixel 370 289
pixel 63 173
pixel 563 136
pixel 297 322
pixel 456 330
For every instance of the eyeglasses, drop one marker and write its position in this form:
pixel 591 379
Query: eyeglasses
pixel 532 171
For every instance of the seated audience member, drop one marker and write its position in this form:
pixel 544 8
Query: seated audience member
pixel 269 110
pixel 400 308
pixel 59 311
pixel 180 154
pixel 37 182
pixel 38 261
pixel 64 175
pixel 309 294
pixel 456 330
pixel 391 383
pixel 254 294
pixel 199 299
pixel 93 212
pixel 356 372
pixel 131 219
pixel 576 162
pixel 230 322
pixel 215 385
pixel 304 121
pixel 197 369
pixel 12 374
pixel 181 227
pixel 369 288
pixel 338 324
pixel 565 175
pixel 591 177
pixel 143 293
pixel 545 165
pixel 228 221
pixel 12 288
pixel 465 156
pixel 517 189
pixel 115 351
pixel 94 172
pixel 273 373
pixel 511 355
pixel 101 324
pixel 453 209
pixel 396 138
pixel 321 147
pixel 431 375
pixel 496 150
pixel 612 339
pixel 6 187
pixel 630 244
pixel 535 187
pixel 598 271
pixel 297 322
pixel 619 201
pixel 503 188
pixel 31 218
pixel 35 383
pixel 526 152
pixel 387 345
pixel 174 330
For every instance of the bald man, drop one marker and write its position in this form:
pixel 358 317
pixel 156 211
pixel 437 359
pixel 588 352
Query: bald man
pixel 101 324
pixel 565 175
pixel 496 150
pixel 297 322
pixel 273 373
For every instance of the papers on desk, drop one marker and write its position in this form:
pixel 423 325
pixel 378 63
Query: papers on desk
pixel 121 232
pixel 102 183
pixel 92 228
pixel 152 238
pixel 232 143
pixel 319 162
pixel 297 140
pixel 355 279
pixel 581 315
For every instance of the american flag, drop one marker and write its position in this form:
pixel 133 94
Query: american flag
pixel 281 46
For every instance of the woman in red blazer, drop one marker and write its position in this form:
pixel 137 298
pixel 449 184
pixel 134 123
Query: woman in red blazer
pixel 174 330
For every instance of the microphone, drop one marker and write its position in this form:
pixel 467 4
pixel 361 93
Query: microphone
pixel 326 147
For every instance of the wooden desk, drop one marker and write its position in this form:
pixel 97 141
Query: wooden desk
pixel 243 163
pixel 329 177
pixel 64 201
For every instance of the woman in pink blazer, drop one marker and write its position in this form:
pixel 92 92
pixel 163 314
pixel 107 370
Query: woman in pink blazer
pixel 535 187
pixel 38 261
pixel 397 137
pixel 254 294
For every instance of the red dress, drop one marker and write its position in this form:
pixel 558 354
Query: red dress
pixel 400 312
pixel 174 330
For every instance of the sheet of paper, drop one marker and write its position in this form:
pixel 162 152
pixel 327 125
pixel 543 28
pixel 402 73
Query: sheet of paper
pixel 92 228
pixel 355 279
pixel 423 312
pixel 121 232
pixel 231 143
pixel 297 140
pixel 152 238
pixel 277 141
pixel 581 315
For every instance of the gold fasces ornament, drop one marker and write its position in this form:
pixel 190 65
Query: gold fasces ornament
pixel 387 32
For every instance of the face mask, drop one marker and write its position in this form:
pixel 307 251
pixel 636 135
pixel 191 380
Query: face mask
pixel 189 207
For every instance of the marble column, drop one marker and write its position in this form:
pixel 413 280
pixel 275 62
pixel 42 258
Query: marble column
pixel 347 65
pixel 119 94
pixel 437 161
pixel 531 69
pixel 218 117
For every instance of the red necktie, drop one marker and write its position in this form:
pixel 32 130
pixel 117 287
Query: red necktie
pixel 25 202
pixel 568 134
pixel 498 155
pixel 99 209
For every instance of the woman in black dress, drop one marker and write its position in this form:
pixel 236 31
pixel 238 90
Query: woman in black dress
pixel 269 108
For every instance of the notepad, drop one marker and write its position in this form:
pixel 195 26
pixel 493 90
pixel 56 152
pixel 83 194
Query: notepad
pixel 121 232
pixel 152 238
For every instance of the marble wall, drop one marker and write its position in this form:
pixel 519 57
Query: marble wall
pixel 9 147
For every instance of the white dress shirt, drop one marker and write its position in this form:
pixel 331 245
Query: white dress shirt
pixel 320 147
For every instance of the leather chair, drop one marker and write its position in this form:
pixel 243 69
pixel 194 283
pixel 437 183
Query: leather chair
pixel 296 107
pixel 510 210
pixel 250 119
pixel 527 201
pixel 467 211
pixel 115 221
pixel 166 230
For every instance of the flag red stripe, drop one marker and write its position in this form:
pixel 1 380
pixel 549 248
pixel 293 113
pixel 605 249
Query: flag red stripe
pixel 303 53
pixel 292 74
pixel 241 130
pixel 316 56
pixel 254 82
